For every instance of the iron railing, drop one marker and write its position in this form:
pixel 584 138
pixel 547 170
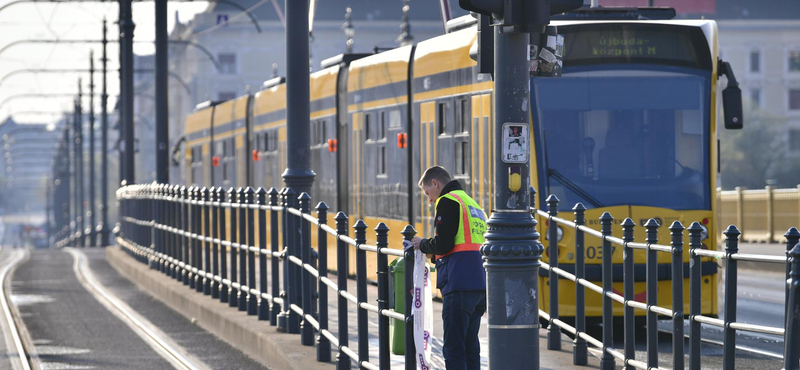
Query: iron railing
pixel 189 234
pixel 729 325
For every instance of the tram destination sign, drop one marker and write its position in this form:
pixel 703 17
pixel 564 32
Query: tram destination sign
pixel 631 43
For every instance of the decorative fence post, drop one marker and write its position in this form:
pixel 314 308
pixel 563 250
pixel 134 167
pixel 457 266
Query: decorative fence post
pixel 174 239
pixel 553 332
pixel 408 277
pixel 216 198
pixel 192 233
pixel 628 282
pixel 323 344
pixel 695 290
pixel 233 298
pixel 307 331
pixel 263 304
pixel 606 359
pixel 244 199
pixel 343 361
pixel 731 277
pixel 206 233
pixel 791 356
pixel 382 235
pixel 579 349
pixel 652 293
pixel 275 308
pixel 198 219
pixel 186 240
pixel 361 291
pixel 223 254
pixel 252 300
pixel 792 238
pixel 676 230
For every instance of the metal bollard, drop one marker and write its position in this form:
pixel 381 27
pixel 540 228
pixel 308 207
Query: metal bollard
pixel 410 351
pixel 307 331
pixel 206 194
pixel 343 361
pixel 242 294
pixel 731 277
pixel 382 235
pixel 579 349
pixel 216 195
pixel 198 219
pixel 628 281
pixel 263 304
pixel 606 359
pixel 223 254
pixel 252 300
pixel 553 331
pixel 323 344
pixel 652 293
pixel 676 232
pixel 791 357
pixel 233 300
pixel 274 234
pixel 361 291
pixel 695 290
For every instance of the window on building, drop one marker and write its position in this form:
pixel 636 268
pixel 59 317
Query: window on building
pixel 227 63
pixel 755 61
pixel 382 160
pixel 226 95
pixel 794 99
pixel 794 140
pixel 755 97
pixel 794 61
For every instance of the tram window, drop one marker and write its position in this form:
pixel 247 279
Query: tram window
pixel 366 127
pixel 382 127
pixel 442 116
pixel 382 160
pixel 462 153
pixel 322 133
pixel 462 119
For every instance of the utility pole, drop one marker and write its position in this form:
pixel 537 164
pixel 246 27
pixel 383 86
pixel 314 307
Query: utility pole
pixel 512 279
pixel 79 169
pixel 162 93
pixel 126 51
pixel 103 227
pixel 92 180
pixel 298 175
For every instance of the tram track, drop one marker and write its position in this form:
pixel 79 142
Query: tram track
pixel 11 330
pixel 158 340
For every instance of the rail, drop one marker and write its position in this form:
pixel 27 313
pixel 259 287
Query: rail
pixel 194 235
pixel 729 325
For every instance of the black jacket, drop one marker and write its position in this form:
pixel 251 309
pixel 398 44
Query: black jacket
pixel 445 223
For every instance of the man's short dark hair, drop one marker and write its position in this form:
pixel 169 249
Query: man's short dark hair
pixel 436 172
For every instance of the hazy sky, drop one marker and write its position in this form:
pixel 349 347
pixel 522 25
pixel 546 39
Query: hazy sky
pixel 80 20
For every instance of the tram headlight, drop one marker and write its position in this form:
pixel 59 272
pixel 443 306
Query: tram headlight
pixel 559 232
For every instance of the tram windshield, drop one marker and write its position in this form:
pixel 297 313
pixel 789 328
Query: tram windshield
pixel 623 134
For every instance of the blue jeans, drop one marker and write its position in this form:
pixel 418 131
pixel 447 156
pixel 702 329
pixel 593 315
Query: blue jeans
pixel 461 314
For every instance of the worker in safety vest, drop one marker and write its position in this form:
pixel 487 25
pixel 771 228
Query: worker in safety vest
pixel 459 226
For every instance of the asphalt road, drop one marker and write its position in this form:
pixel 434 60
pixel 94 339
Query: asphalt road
pixel 70 329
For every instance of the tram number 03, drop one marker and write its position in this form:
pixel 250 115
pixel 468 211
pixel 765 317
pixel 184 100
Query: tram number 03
pixel 597 252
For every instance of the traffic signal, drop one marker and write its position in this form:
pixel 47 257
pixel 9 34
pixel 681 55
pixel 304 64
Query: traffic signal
pixel 521 15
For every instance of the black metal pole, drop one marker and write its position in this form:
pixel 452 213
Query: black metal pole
pixel 91 214
pixel 298 175
pixel 162 95
pixel 103 228
pixel 126 94
pixel 512 327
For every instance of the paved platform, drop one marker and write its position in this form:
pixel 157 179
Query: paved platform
pixel 283 351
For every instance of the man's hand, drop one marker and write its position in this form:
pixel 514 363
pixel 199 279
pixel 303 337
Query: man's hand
pixel 416 242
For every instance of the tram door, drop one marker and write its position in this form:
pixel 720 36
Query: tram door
pixel 428 157
pixel 482 150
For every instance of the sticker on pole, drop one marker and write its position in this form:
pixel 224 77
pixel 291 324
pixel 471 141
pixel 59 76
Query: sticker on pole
pixel 515 143
pixel 422 310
